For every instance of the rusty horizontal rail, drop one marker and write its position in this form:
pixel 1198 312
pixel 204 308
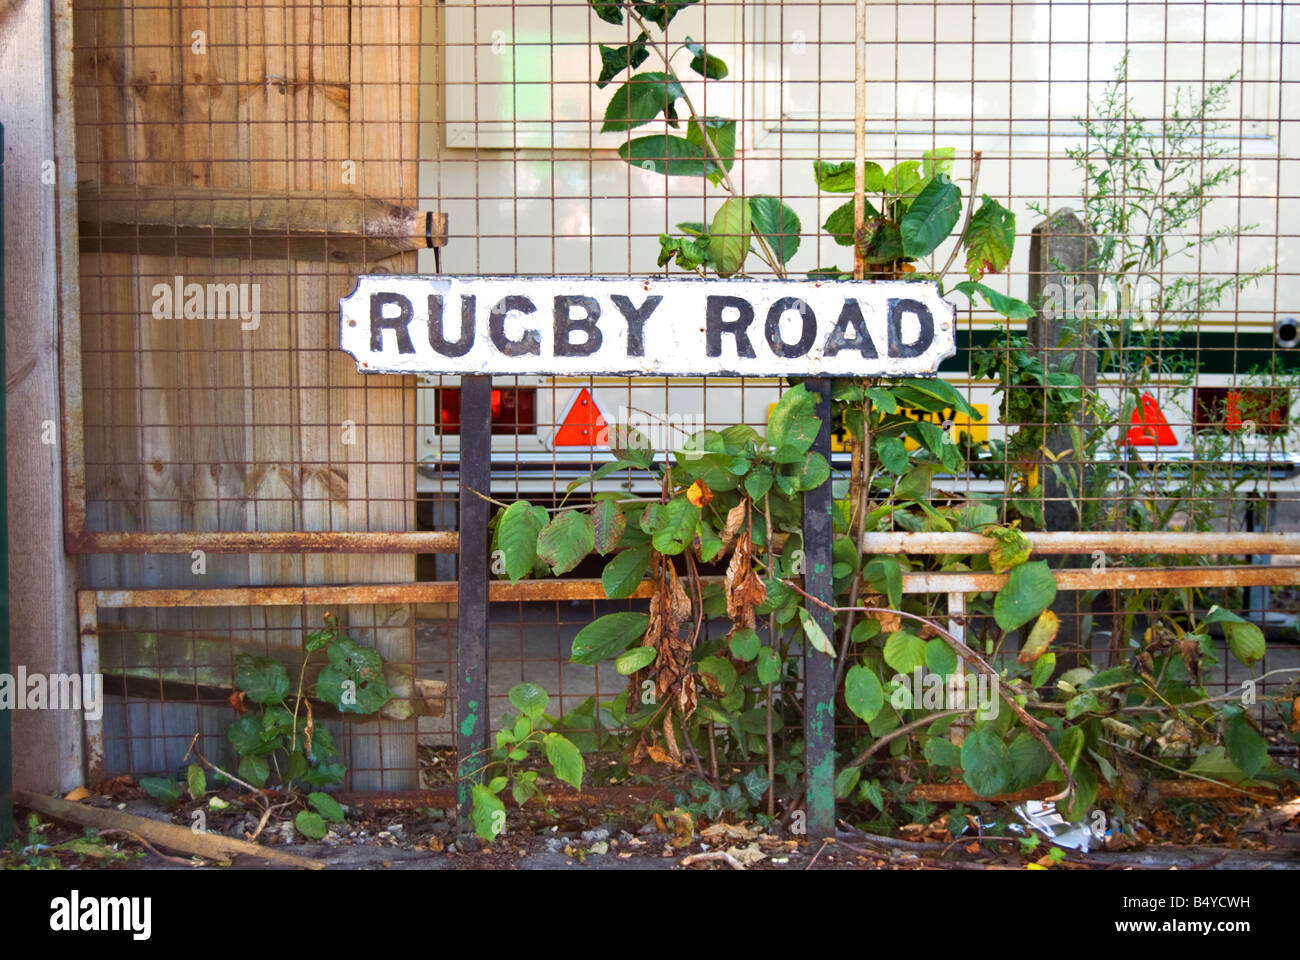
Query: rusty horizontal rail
pixel 276 541
pixel 1112 542
pixel 501 591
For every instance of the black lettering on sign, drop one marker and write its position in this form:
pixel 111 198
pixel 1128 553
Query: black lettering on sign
pixel 529 344
pixel 715 326
pixel 398 324
pixel 636 319
pixel 897 308
pixel 566 323
pixel 438 335
pixel 806 336
pixel 836 341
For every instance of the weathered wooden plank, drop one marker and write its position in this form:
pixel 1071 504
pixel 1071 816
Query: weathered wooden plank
pixel 42 615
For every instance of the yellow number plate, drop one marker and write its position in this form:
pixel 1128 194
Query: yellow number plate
pixel 961 423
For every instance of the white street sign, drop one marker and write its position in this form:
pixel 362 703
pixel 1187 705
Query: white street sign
pixel 588 326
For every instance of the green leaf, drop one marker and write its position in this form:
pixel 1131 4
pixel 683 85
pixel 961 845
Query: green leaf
pixel 611 11
pixel 565 759
pixel 1029 761
pixel 722 133
pixel 710 67
pixel 812 472
pixel 1009 307
pixel 722 673
pixel 166 792
pixel 1246 748
pixel 778 224
pixel 864 630
pixel 769 666
pixel 729 236
pixel 676 527
pixel 625 572
pixel 815 634
pixel 488 814
pixel 870 791
pixel 1030 590
pixel 196 780
pixel 254 769
pixel 947 396
pixel 354 680
pixel 757 482
pixel 840 224
pixel 990 238
pixel 661 13
pixel 609 523
pixel 941 753
pixel 639 100
pixel 915 484
pixel 673 157
pixel 940 657
pixel 838 177
pixel 904 652
pixel 931 217
pixel 792 426
pixel 310 825
pixel 902 178
pixel 744 644
pixel 863 693
pixel 523 790
pixel 614 60
pixel 986 765
pixel 1245 639
pixel 635 659
pixel 608 636
pixel 892 454
pixel 326 806
pixel 845 781
pixel 884 575
pixel 529 699
pixel 1044 666
pixel 517 539
pixel 262 679
pixel 245 734
pixel 566 541
pixel 938 160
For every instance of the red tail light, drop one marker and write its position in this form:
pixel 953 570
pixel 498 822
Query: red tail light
pixel 514 410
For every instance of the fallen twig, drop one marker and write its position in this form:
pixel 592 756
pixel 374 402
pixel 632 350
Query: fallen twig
pixel 210 845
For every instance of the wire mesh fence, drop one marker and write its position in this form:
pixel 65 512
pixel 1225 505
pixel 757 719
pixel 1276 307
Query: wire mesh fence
pixel 239 166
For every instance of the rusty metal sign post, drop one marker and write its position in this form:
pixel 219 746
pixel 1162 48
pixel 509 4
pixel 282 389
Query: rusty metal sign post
pixel 477 327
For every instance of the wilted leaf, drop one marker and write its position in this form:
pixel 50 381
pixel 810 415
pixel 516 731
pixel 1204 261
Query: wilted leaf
pixel 1040 637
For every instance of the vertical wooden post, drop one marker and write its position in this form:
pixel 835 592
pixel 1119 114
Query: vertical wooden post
pixel 6 766
pixel 40 249
pixel 819 669
pixel 472 589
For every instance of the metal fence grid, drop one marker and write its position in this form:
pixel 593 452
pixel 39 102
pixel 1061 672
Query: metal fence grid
pixel 213 447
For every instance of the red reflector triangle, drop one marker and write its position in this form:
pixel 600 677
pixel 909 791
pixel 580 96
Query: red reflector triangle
pixel 584 425
pixel 1150 428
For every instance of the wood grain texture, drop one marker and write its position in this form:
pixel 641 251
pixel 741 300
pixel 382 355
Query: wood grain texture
pixel 43 628
pixel 197 424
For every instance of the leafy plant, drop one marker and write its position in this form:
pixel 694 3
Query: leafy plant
pixel 520 738
pixel 733 499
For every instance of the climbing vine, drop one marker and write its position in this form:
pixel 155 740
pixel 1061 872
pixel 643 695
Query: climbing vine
pixel 915 702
